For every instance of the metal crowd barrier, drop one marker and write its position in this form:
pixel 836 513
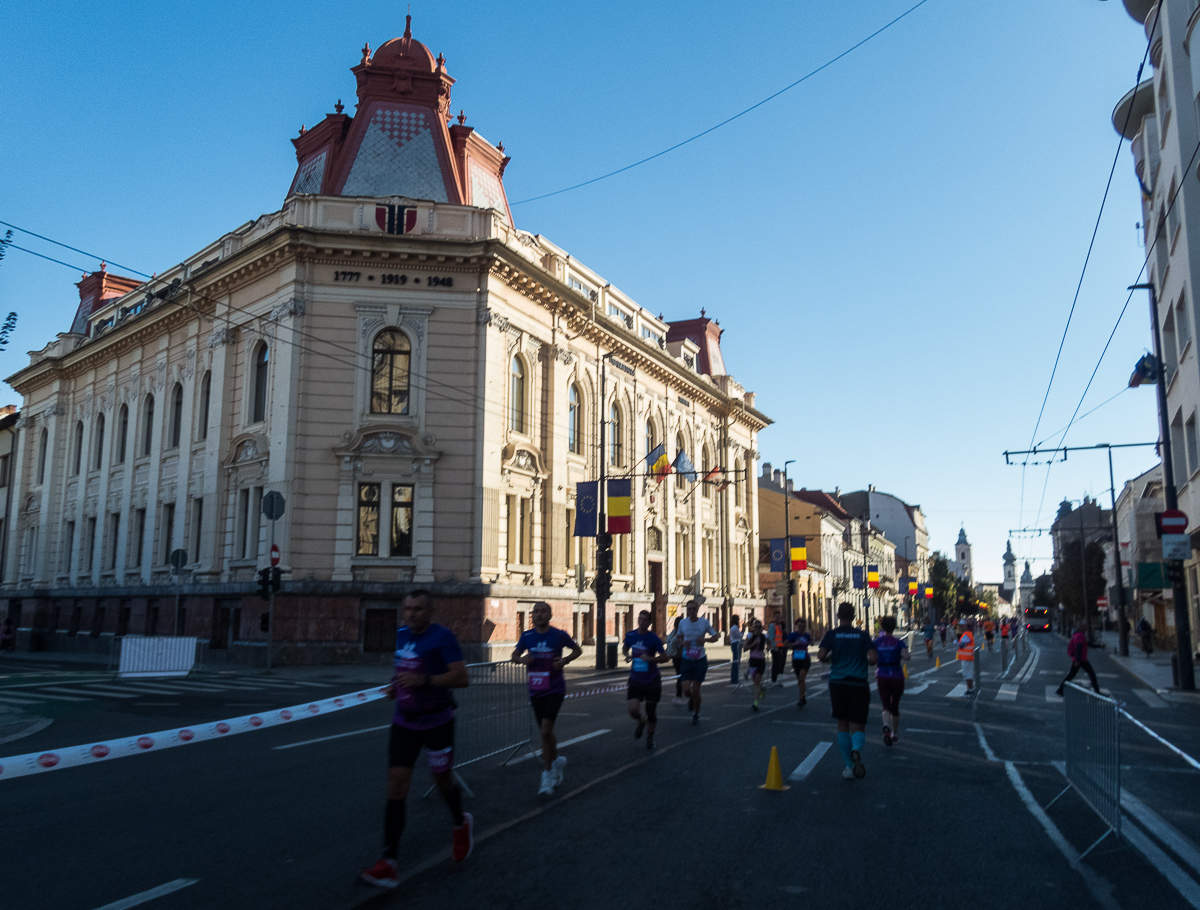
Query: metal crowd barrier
pixel 1094 755
pixel 156 656
pixel 493 713
pixel 975 671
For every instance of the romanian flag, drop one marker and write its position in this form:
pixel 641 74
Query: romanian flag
pixel 912 588
pixel 929 593
pixel 872 576
pixel 657 462
pixel 618 505
pixel 799 553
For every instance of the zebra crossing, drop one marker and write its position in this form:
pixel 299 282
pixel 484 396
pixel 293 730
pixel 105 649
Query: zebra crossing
pixel 127 691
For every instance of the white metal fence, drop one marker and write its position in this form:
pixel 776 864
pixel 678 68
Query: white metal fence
pixel 154 655
pixel 1093 729
pixel 493 712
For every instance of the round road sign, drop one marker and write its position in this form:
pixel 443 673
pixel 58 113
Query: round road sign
pixel 179 558
pixel 274 555
pixel 1174 521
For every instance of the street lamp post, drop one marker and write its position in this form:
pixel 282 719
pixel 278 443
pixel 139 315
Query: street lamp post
pixel 787 545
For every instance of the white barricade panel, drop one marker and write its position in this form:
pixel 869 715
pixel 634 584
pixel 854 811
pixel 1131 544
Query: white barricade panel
pixel 147 655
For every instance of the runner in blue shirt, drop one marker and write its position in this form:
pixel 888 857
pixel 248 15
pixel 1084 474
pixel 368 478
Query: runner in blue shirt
pixel 547 688
pixel 429 663
pixel 850 651
pixel 799 642
pixel 889 677
pixel 645 651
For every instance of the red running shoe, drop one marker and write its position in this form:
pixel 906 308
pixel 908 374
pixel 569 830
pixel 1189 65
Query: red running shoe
pixel 384 874
pixel 464 838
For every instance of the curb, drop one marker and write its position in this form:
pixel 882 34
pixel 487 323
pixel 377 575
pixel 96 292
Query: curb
pixel 34 725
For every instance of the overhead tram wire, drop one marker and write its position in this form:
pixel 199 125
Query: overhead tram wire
pixel 1081 416
pixel 13 246
pixel 727 121
pixel 1162 229
pixel 72 249
pixel 1086 260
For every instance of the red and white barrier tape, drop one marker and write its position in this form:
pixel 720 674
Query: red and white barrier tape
pixel 92 753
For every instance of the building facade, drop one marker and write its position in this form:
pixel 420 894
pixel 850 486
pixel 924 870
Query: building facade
pixel 425 385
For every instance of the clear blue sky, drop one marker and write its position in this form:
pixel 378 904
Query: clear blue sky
pixel 892 247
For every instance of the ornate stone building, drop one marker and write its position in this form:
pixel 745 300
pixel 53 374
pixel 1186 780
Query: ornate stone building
pixel 423 383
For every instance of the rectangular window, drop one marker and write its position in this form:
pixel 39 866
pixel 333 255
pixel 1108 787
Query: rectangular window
pixel 69 548
pixel 152 616
pixel 1189 435
pixel 123 612
pixel 570 548
pixel 97 621
pixel 402 520
pixel 139 536
pixel 367 526
pixel 89 543
pixel 168 532
pixel 4 461
pixel 525 514
pixel 114 534
pixel 197 526
pixel 243 525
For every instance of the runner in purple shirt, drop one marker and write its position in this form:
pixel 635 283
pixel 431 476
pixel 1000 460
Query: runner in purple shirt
pixel 540 649
pixel 429 663
pixel 889 677
pixel 645 651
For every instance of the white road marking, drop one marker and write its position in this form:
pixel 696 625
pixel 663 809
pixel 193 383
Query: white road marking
pixel 1182 882
pixel 987 750
pixel 569 742
pixel 1052 695
pixel 1008 692
pixel 1030 665
pixel 939 732
pixel 919 688
pixel 18 700
pixel 1162 829
pixel 144 896
pixel 1100 887
pixel 1174 748
pixel 153 690
pixel 805 767
pixel 321 739
pixel 102 692
pixel 1150 698
pixel 41 694
pixel 958 691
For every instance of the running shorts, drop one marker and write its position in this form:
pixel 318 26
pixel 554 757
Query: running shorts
pixel 850 701
pixel 989 635
pixel 802 664
pixel 890 691
pixel 649 692
pixel 758 666
pixel 406 744
pixel 545 707
pixel 694 670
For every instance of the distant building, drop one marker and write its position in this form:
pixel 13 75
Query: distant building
pixel 961 564
pixel 901 523
pixel 1008 588
pixel 1025 592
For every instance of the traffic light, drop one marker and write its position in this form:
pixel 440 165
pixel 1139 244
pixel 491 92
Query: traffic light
pixel 791 587
pixel 276 578
pixel 1174 571
pixel 264 584
pixel 604 553
pixel 264 622
pixel 603 586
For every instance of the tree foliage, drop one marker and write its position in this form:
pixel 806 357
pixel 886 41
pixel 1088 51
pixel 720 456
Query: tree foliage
pixel 1043 590
pixel 945 587
pixel 1079 578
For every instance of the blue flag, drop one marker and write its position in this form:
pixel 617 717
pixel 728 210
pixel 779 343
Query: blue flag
pixel 683 465
pixel 857 573
pixel 587 508
pixel 778 555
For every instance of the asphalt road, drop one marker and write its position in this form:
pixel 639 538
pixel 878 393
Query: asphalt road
pixel 939 821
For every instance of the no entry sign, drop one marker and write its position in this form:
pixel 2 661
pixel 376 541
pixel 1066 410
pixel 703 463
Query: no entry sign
pixel 1172 521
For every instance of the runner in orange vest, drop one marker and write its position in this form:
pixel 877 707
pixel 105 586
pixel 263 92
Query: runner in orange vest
pixel 966 656
pixel 989 632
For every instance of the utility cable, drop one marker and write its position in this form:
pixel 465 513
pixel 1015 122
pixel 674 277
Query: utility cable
pixel 728 120
pixel 72 249
pixel 13 246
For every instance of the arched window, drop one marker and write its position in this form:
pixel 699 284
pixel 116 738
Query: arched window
pixel 148 425
pixel 390 358
pixel 261 362
pixel 122 432
pixel 705 467
pixel 614 444
pixel 43 450
pixel 516 396
pixel 574 436
pixel 77 455
pixel 98 447
pixel 176 415
pixel 679 447
pixel 205 397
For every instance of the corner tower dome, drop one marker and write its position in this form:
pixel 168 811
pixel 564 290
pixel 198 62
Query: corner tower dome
pixel 398 142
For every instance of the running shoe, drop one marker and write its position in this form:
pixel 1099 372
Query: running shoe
pixel 971 693
pixel 464 838
pixel 887 735
pixel 547 786
pixel 895 738
pixel 754 705
pixel 859 771
pixel 556 768
pixel 677 700
pixel 649 740
pixel 384 874
pixel 641 725
pixel 695 718
pixel 802 703
pixel 847 774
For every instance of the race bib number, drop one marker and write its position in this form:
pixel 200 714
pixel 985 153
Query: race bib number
pixel 693 652
pixel 539 682
pixel 640 665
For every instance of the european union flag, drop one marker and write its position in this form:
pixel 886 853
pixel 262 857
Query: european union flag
pixel 778 555
pixel 587 508
pixel 683 465
pixel 857 574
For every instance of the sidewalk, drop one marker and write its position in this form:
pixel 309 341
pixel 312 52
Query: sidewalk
pixel 1154 671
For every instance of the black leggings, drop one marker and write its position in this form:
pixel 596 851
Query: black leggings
pixel 1075 665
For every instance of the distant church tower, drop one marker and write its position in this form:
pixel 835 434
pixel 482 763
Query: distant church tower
pixel 962 557
pixel 1009 587
pixel 1026 587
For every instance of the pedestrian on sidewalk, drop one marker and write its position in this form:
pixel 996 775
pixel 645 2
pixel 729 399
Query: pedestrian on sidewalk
pixel 800 641
pixel 756 647
pixel 776 633
pixel 644 651
pixel 927 634
pixel 695 634
pixel 735 648
pixel 541 650
pixel 1145 631
pixel 889 677
pixel 429 663
pixel 966 655
pixel 1077 651
pixel 675 652
pixel 850 651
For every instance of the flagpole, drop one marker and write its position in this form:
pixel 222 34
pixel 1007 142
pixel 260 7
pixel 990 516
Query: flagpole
pixel 603 538
pixel 787 546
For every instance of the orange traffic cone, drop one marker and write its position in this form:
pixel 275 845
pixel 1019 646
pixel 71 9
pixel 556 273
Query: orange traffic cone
pixel 937 663
pixel 774 775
